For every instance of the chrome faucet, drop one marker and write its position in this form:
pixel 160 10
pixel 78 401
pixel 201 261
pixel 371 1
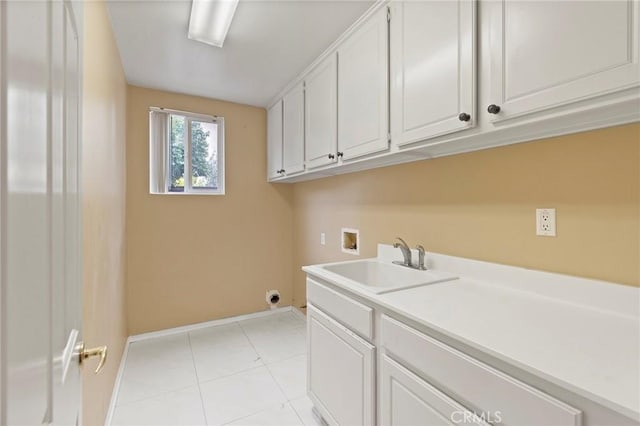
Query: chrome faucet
pixel 406 252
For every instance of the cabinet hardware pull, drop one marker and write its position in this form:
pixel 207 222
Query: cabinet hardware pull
pixel 464 116
pixel 493 109
pixel 331 156
pixel 340 154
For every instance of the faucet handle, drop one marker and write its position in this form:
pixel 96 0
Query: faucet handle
pixel 421 257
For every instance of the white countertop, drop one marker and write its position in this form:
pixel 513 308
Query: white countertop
pixel 580 334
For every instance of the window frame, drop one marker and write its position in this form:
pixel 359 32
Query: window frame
pixel 189 117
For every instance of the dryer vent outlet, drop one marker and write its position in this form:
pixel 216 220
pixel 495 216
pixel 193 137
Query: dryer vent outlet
pixel 273 298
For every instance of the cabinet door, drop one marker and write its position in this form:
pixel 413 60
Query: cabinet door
pixel 546 54
pixel 293 131
pixel 407 400
pixel 274 140
pixel 363 89
pixel 340 372
pixel 433 69
pixel 321 114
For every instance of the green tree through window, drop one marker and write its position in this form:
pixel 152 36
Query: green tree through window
pixel 204 171
pixel 177 152
pixel 201 158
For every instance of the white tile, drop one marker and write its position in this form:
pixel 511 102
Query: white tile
pixel 243 394
pixel 276 323
pixel 282 415
pixel 304 408
pixel 182 407
pixel 277 345
pixel 291 376
pixel 222 351
pixel 157 366
pixel 162 347
pixel 227 335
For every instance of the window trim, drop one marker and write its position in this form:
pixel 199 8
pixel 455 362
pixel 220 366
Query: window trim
pixel 188 186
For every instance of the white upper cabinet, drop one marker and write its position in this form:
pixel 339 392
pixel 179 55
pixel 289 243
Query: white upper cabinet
pixel 274 140
pixel 421 79
pixel 433 68
pixel 321 114
pixel 293 130
pixel 363 89
pixel 546 54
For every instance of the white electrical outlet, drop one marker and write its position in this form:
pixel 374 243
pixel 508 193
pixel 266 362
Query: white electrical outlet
pixel 546 222
pixel 322 239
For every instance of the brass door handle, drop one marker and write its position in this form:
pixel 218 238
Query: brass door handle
pixel 100 351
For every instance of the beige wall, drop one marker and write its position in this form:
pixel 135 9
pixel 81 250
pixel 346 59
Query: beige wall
pixel 103 168
pixel 193 258
pixel 482 205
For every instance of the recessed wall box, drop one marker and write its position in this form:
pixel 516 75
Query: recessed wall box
pixel 350 241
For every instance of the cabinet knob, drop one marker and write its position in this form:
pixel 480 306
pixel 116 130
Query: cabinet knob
pixel 340 154
pixel 493 109
pixel 464 116
pixel 331 156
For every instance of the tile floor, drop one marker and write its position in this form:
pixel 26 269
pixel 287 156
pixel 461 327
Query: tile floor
pixel 250 372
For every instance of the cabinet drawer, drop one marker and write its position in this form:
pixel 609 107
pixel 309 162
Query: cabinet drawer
pixel 482 387
pixel 355 315
pixel 409 400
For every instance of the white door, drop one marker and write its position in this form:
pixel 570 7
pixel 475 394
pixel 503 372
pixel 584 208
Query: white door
pixel 363 110
pixel 321 114
pixel 546 54
pixel 293 131
pixel 340 375
pixel 407 400
pixel 24 201
pixel 66 326
pixel 433 69
pixel 274 141
pixel 40 256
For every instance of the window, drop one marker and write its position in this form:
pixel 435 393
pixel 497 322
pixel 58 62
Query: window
pixel 186 153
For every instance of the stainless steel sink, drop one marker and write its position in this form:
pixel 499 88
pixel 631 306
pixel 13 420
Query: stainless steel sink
pixel 381 277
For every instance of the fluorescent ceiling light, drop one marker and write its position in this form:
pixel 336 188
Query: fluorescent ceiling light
pixel 210 20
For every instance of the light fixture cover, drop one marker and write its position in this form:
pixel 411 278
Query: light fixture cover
pixel 210 20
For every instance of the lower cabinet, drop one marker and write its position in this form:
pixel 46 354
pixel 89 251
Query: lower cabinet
pixel 407 400
pixel 495 396
pixel 341 371
pixel 368 368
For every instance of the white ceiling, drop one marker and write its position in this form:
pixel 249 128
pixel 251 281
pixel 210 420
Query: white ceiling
pixel 268 44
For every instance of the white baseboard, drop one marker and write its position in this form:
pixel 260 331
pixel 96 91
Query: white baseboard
pixel 178 330
pixel 116 384
pixel 200 325
pixel 298 313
